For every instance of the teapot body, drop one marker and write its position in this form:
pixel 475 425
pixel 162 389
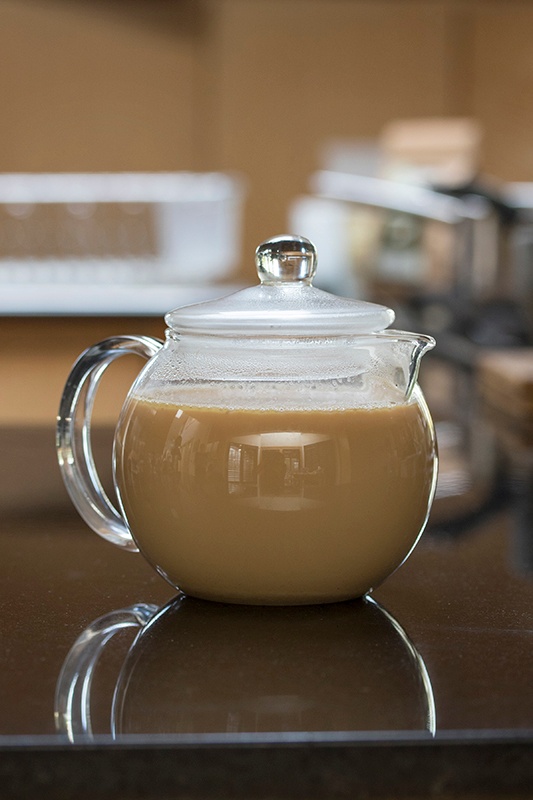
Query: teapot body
pixel 276 449
pixel 309 486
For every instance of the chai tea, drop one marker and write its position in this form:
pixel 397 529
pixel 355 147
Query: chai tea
pixel 274 507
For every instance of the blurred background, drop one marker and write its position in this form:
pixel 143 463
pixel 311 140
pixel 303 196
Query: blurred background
pixel 147 147
pixel 255 86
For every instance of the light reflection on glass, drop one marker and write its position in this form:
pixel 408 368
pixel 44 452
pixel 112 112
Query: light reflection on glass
pixel 278 470
pixel 289 468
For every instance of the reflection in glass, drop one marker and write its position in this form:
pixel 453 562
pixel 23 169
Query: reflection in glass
pixel 283 470
pixel 199 667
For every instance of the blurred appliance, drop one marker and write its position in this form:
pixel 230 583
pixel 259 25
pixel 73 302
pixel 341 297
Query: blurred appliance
pixel 119 228
pixel 505 386
pixel 445 264
pixel 458 263
pixel 446 246
pixel 452 253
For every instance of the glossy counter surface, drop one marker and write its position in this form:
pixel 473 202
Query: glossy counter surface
pixel 425 690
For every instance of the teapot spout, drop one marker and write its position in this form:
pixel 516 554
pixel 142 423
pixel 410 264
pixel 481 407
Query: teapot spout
pixel 420 344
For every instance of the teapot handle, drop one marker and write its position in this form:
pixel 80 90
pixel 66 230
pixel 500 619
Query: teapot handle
pixel 72 707
pixel 73 435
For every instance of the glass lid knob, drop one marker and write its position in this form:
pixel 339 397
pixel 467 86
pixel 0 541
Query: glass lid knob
pixel 284 304
pixel 286 259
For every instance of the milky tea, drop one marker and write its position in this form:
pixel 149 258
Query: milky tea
pixel 274 507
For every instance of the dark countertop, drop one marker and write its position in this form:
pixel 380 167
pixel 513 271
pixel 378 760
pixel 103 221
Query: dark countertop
pixel 424 691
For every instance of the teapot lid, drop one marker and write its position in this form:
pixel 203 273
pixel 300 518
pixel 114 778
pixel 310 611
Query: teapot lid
pixel 285 303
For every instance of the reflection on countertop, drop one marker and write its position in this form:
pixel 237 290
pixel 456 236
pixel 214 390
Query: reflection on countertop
pixel 201 667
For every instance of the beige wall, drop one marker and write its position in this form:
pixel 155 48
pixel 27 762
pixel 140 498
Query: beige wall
pixel 294 74
pixel 36 357
pixel 84 86
pixel 254 85
pixel 502 86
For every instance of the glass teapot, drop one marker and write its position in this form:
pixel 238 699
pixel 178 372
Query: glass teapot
pixel 276 449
